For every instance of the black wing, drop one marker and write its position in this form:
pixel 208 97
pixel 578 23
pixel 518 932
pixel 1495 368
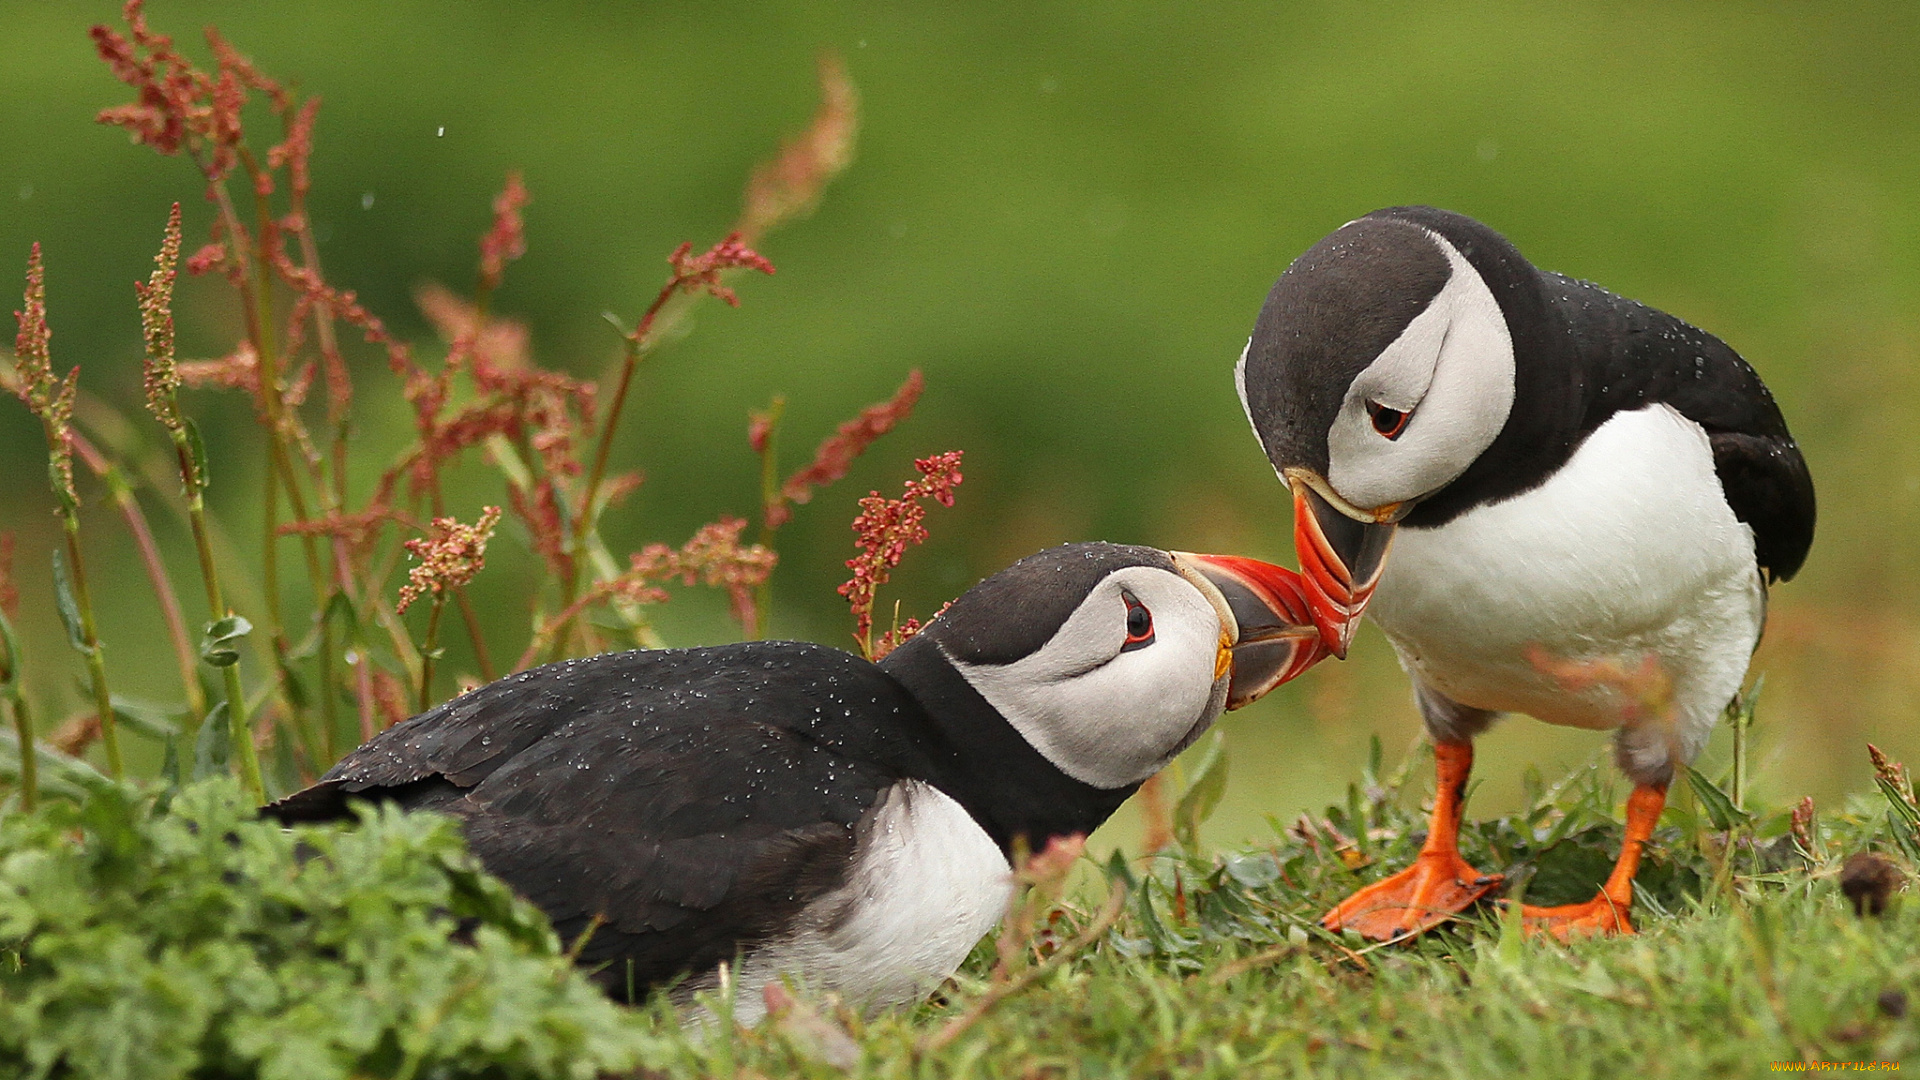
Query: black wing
pixel 1638 355
pixel 694 800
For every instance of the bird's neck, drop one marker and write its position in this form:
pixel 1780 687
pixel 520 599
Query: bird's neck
pixel 984 764
pixel 1550 395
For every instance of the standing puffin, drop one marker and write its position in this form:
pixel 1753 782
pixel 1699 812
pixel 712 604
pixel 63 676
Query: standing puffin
pixel 796 810
pixel 1571 483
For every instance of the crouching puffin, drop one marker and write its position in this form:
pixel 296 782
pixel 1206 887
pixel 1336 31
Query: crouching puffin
pixel 796 810
pixel 1553 500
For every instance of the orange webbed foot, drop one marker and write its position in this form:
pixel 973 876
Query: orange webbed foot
pixel 1606 913
pixel 1438 886
pixel 1601 916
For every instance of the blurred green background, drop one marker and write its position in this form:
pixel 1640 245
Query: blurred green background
pixel 1067 215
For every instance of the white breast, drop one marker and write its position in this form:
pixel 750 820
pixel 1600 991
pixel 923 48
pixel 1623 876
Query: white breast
pixel 1629 550
pixel 926 884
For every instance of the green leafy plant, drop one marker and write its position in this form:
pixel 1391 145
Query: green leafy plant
pixel 173 936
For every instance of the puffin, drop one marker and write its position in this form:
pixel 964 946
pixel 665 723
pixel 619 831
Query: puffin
pixel 794 810
pixel 1551 499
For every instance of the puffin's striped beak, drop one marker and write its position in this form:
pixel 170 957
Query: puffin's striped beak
pixel 1341 556
pixel 1270 635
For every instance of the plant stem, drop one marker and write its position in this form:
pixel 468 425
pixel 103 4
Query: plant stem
pixel 242 735
pixel 769 499
pixel 95 652
pixel 163 590
pixel 23 731
pixel 629 362
pixel 254 281
pixel 1741 716
pixel 329 656
pixel 585 517
pixel 256 302
pixel 329 709
pixel 472 619
pixel 337 412
pixel 363 694
pixel 282 468
pixel 193 483
pixel 545 632
pixel 11 697
pixel 1000 991
pixel 269 551
pixel 427 651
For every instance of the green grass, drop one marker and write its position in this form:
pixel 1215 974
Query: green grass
pixel 155 933
pixel 1748 954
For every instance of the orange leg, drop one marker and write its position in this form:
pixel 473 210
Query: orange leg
pixel 1607 912
pixel 1439 884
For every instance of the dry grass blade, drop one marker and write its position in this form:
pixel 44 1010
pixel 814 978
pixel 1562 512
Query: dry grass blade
pixel 1001 991
pixel 1274 955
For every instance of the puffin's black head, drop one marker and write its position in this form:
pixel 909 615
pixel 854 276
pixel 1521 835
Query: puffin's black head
pixel 1379 368
pixel 1111 659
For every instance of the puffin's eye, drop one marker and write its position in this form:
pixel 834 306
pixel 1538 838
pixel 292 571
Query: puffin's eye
pixel 1139 623
pixel 1388 422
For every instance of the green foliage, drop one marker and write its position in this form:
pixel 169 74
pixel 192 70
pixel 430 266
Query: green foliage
pixel 142 936
pixel 69 608
pixel 1903 821
pixel 1202 796
pixel 1218 968
pixel 1717 804
pixel 213 747
pixel 147 936
pixel 220 644
pixel 60 775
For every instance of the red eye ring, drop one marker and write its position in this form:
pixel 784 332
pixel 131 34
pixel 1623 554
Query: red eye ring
pixel 1388 422
pixel 1139 623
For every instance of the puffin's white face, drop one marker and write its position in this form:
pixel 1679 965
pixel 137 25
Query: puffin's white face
pixel 1136 673
pixel 1426 407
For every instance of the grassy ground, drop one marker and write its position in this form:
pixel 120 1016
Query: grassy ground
pixel 1748 954
pixel 159 932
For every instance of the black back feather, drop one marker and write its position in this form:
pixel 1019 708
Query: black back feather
pixel 1583 354
pixel 693 799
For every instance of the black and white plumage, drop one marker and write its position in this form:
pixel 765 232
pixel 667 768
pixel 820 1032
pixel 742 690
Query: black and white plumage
pixel 1567 480
pixel 804 812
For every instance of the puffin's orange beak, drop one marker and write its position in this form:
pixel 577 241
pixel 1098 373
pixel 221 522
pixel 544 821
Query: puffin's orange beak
pixel 1272 636
pixel 1340 561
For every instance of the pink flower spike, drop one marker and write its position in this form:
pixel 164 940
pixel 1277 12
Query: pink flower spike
pixel 837 453
pixel 507 240
pixel 449 556
pixel 886 528
pixel 789 186
pixel 161 376
pixel 702 272
pixel 32 357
